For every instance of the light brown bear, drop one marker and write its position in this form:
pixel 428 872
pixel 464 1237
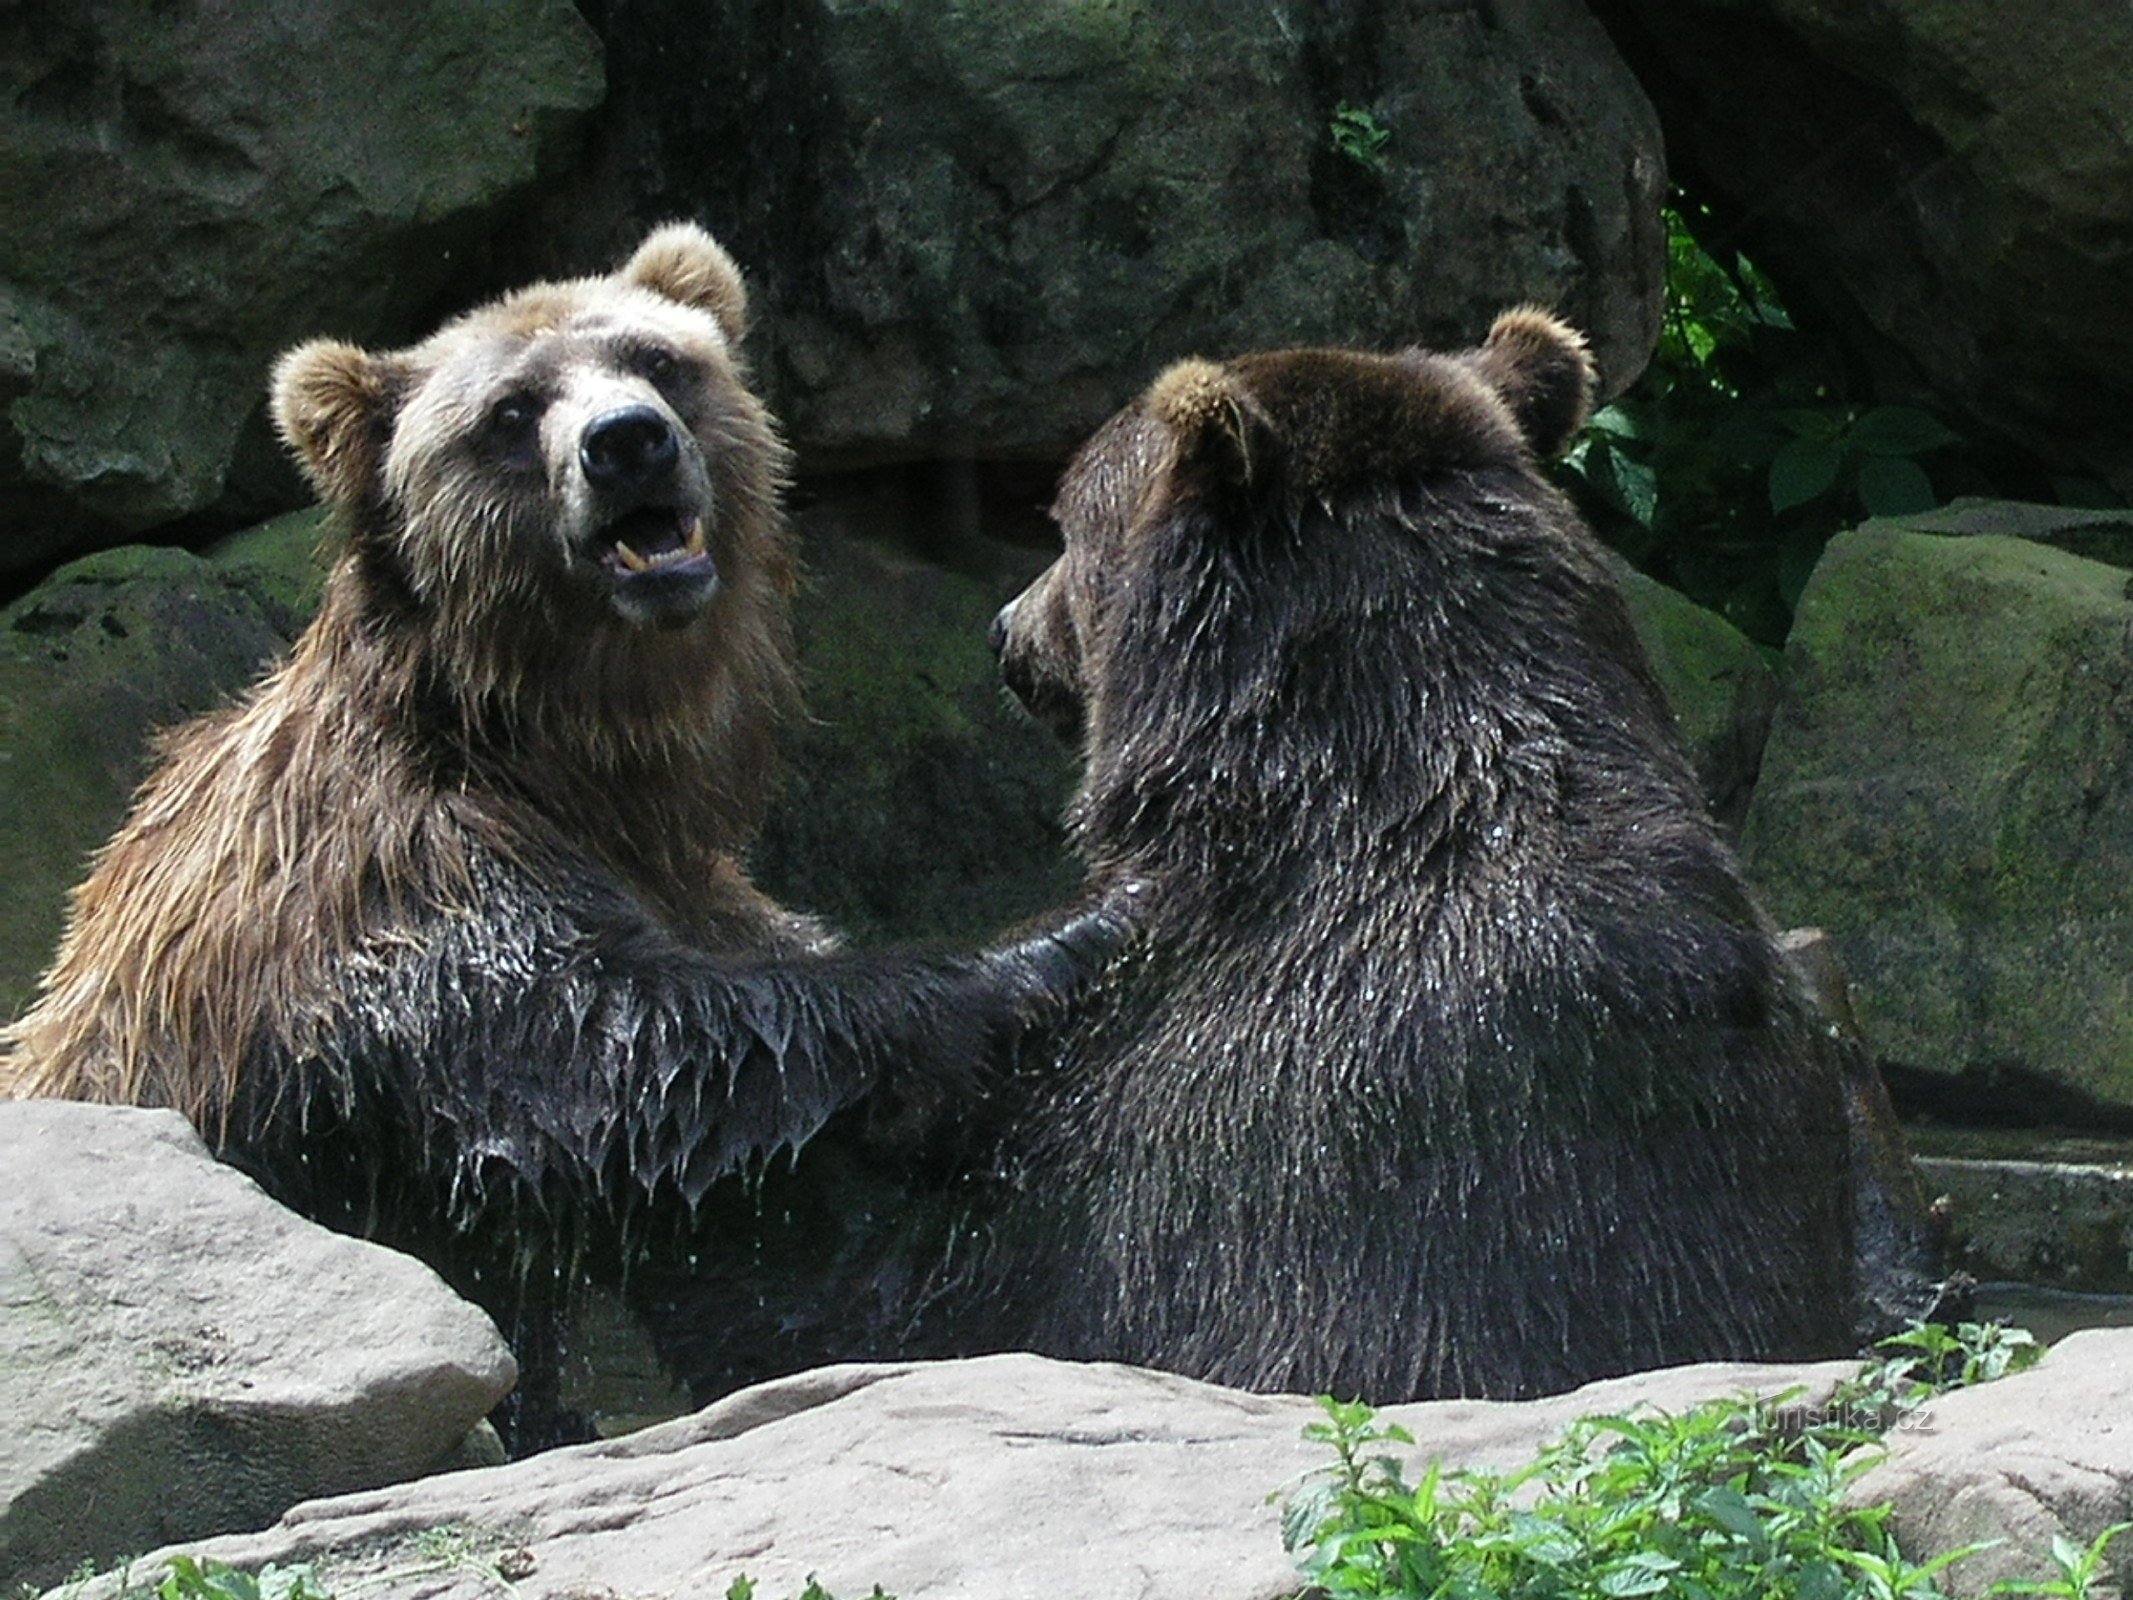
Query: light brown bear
pixel 446 917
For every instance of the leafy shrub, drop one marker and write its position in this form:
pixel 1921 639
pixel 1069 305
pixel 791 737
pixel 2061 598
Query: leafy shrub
pixel 1733 1500
pixel 1729 464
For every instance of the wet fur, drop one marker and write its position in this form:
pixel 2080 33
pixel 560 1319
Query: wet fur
pixel 446 916
pixel 1452 1056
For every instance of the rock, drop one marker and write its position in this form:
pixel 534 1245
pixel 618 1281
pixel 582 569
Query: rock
pixel 194 189
pixel 1722 688
pixel 977 229
pixel 108 650
pixel 1003 1478
pixel 2044 1453
pixel 180 1356
pixel 2047 1215
pixel 1948 789
pixel 1949 183
pixel 2098 535
pixel 922 803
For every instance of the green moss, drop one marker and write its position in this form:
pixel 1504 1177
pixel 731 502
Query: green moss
pixel 1949 790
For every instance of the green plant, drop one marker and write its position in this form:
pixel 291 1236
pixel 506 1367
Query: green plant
pixel 743 1588
pixel 216 1580
pixel 1931 1358
pixel 1706 1505
pixel 1734 1500
pixel 1359 135
pixel 1730 463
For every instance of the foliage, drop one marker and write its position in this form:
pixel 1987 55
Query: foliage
pixel 1742 449
pixel 1359 135
pixel 743 1588
pixel 1931 1359
pixel 214 1580
pixel 1734 1499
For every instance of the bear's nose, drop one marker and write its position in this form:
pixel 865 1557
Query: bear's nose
pixel 628 449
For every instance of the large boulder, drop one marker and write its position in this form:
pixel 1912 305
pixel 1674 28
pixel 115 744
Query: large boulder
pixel 189 189
pixel 1948 789
pixel 978 228
pixel 922 803
pixel 1951 183
pixel 180 1356
pixel 1004 1478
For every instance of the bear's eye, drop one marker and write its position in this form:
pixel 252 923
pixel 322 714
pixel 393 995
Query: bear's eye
pixel 513 427
pixel 514 415
pixel 655 362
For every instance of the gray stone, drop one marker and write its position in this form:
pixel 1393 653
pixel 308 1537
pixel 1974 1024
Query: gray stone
pixel 2099 535
pixel 181 1356
pixel 190 189
pixel 1950 183
pixel 2043 1454
pixel 978 228
pixel 1004 1478
pixel 1948 790
pixel 2054 1218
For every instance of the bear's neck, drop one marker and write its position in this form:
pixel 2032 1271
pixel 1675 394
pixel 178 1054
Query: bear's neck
pixel 652 755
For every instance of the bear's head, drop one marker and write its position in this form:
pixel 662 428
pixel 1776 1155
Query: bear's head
pixel 1283 465
pixel 578 456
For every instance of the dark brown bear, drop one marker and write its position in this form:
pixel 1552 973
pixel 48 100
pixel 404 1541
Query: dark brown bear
pixel 1453 1057
pixel 446 917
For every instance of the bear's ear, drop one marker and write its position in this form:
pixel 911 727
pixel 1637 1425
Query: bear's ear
pixel 688 266
pixel 1218 430
pixel 1544 372
pixel 332 405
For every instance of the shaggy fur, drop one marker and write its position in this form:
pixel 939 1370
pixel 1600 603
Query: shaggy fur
pixel 1451 1056
pixel 449 908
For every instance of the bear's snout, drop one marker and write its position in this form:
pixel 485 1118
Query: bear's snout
pixel 628 451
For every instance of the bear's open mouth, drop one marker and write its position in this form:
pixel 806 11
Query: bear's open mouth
pixel 653 539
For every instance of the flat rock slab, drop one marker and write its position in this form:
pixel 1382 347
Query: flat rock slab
pixel 180 1356
pixel 1003 1478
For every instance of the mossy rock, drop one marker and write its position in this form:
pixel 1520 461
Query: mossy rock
pixel 93 662
pixel 1948 789
pixel 922 803
pixel 1721 685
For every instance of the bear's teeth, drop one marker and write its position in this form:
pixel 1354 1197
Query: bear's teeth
pixel 694 544
pixel 629 558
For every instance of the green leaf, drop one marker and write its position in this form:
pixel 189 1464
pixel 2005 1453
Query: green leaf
pixel 1629 1580
pixel 1729 1508
pixel 1893 486
pixel 1549 1543
pixel 1616 423
pixel 1638 486
pixel 1825 423
pixel 1806 469
pixel 1899 431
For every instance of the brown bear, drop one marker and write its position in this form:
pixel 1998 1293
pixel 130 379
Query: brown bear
pixel 1451 1055
pixel 446 918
